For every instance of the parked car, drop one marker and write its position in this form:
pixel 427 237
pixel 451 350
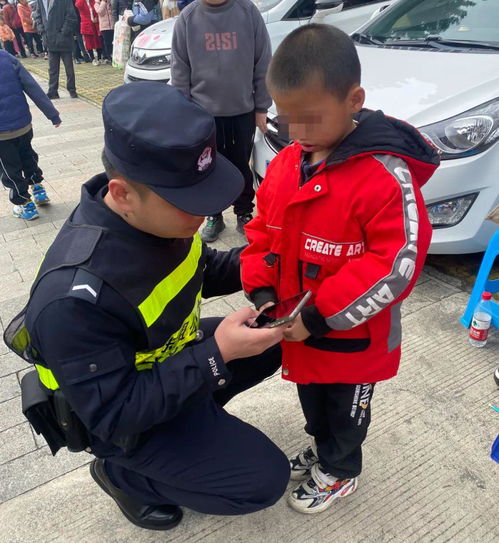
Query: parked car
pixel 435 64
pixel 151 50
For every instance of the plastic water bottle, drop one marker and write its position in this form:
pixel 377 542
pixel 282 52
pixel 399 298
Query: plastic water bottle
pixel 480 323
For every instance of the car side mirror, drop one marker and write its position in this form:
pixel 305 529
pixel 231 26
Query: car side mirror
pixel 321 5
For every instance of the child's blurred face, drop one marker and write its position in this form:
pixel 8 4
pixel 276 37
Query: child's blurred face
pixel 314 117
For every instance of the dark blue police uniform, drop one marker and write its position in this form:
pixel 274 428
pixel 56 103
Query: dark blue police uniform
pixel 113 322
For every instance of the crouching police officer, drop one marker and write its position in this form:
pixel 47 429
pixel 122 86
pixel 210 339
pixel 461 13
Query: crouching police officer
pixel 113 323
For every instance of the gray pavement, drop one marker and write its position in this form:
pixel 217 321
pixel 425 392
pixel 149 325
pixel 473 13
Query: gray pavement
pixel 427 475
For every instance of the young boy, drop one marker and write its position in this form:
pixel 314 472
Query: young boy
pixel 340 213
pixel 220 55
pixel 18 161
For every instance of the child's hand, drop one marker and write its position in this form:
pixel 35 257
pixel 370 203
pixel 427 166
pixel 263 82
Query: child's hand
pixel 261 121
pixel 296 331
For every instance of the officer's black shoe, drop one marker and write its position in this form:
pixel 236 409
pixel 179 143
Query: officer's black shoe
pixel 53 95
pixel 214 225
pixel 242 220
pixel 151 517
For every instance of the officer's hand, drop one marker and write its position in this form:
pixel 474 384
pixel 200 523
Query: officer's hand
pixel 236 340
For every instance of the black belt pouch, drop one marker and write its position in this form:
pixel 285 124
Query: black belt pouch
pixel 38 409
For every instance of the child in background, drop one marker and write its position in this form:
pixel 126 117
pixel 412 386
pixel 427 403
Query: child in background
pixel 7 36
pixel 18 161
pixel 340 213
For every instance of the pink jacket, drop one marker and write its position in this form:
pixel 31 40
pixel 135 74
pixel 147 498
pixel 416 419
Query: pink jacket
pixel 105 13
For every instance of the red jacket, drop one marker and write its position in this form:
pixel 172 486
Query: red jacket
pixel 89 20
pixel 25 11
pixel 11 17
pixel 356 234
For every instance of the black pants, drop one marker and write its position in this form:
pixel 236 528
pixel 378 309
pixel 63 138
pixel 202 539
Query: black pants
pixel 19 33
pixel 19 167
pixel 107 40
pixel 9 47
pixel 34 37
pixel 79 50
pixel 205 458
pixel 338 416
pixel 235 141
pixel 54 67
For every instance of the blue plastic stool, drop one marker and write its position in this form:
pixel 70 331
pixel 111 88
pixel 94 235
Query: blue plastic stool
pixel 494 453
pixel 483 283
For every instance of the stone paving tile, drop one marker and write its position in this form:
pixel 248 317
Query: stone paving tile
pixel 10 415
pixel 11 363
pixel 32 228
pixel 36 468
pixel 9 387
pixel 16 441
pixel 9 308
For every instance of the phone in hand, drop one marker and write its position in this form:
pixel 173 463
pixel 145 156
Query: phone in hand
pixel 282 312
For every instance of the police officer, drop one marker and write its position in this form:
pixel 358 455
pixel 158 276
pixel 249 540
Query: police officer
pixel 114 325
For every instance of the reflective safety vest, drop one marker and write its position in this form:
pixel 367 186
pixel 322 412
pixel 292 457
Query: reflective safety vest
pixel 163 287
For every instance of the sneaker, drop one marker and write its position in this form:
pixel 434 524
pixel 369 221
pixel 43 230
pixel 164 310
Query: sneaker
pixel 77 61
pixel 95 62
pixel 319 492
pixel 53 95
pixel 28 212
pixel 40 195
pixel 45 56
pixel 73 94
pixel 242 220
pixel 302 463
pixel 214 225
pixel 33 55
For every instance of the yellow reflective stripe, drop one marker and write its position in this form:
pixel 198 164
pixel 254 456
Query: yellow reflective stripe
pixel 21 340
pixel 176 342
pixel 47 377
pixel 164 292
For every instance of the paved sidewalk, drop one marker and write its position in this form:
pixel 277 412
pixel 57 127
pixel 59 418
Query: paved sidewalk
pixel 92 82
pixel 428 475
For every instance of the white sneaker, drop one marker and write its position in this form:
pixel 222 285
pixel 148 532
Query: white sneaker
pixel 320 491
pixel 302 463
pixel 95 62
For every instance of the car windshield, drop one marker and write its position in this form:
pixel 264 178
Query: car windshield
pixel 445 20
pixel 265 5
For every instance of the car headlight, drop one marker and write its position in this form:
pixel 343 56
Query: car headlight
pixel 450 212
pixel 467 134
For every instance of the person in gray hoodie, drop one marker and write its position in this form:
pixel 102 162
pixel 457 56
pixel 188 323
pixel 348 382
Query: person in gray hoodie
pixel 220 55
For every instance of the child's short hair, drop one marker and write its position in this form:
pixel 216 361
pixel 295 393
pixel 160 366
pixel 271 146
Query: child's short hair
pixel 311 50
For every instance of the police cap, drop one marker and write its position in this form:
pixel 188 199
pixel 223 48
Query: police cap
pixel 156 136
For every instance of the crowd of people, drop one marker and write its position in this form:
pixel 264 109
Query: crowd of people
pixel 74 31
pixel 21 34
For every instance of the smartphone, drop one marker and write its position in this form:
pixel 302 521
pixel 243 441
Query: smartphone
pixel 282 312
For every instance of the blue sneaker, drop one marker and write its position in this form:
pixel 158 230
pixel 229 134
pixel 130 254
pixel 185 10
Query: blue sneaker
pixel 40 195
pixel 28 212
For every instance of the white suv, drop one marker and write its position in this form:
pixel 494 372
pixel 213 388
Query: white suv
pixel 151 50
pixel 435 64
